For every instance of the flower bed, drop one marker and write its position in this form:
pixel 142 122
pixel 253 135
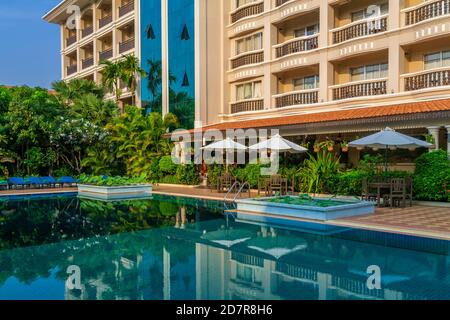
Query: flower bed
pixel 114 188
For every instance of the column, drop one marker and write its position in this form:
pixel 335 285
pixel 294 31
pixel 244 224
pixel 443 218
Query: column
pixel 269 38
pixel 165 56
pixel 448 140
pixel 325 68
pixel 434 131
pixel 396 53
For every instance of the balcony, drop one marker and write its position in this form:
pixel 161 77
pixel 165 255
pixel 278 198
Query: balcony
pixel 245 59
pixel 360 29
pixel 126 8
pixel 360 89
pixel 87 31
pixel 126 45
pixel 248 10
pixel 103 22
pixel 297 98
pixel 427 79
pixel 105 55
pixel 247 105
pixel 426 11
pixel 86 63
pixel 281 2
pixel 297 45
pixel 71 40
pixel 72 69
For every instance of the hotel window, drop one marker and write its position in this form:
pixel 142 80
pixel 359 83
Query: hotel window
pixel 240 3
pixel 368 13
pixel 307 31
pixel 437 60
pixel 369 72
pixel 251 43
pixel 250 90
pixel 306 83
pixel 248 274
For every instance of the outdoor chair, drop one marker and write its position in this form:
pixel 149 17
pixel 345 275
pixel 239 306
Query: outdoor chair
pixel 67 180
pixel 34 182
pixel 263 186
pixel 225 182
pixel 276 184
pixel 49 181
pixel 16 182
pixel 409 190
pixel 397 194
pixel 367 194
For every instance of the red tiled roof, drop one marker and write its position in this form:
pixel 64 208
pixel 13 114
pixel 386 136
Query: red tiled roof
pixel 341 115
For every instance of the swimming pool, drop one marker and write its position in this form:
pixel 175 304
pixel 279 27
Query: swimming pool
pixel 179 248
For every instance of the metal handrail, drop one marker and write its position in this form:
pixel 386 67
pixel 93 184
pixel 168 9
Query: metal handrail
pixel 241 189
pixel 236 184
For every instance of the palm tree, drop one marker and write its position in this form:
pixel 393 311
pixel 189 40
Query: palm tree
pixel 112 74
pixel 68 92
pixel 93 109
pixel 130 69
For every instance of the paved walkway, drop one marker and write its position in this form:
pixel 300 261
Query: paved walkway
pixel 419 220
pixel 37 191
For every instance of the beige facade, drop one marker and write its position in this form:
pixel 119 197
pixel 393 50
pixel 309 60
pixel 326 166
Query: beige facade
pixel 106 31
pixel 283 58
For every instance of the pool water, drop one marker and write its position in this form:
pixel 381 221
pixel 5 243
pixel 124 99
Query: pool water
pixel 178 248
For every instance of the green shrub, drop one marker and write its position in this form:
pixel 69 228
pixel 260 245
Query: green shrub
pixel 111 181
pixel 154 174
pixel 187 174
pixel 166 166
pixel 214 172
pixel 431 175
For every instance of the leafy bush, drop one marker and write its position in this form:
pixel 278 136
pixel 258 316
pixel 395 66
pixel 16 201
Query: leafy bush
pixel 214 172
pixel 317 171
pixel 111 181
pixel 166 165
pixel 187 174
pixel 431 175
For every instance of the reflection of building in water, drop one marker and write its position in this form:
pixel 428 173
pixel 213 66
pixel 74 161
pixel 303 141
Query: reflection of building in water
pixel 324 268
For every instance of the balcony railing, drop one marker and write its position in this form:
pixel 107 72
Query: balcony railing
pixel 71 40
pixel 431 79
pixel 72 69
pixel 126 45
pixel 103 22
pixel 281 2
pixel 361 89
pixel 105 55
pixel 249 105
pixel 428 10
pixel 297 98
pixel 250 58
pixel 87 31
pixel 86 63
pixel 360 29
pixel 126 8
pixel 298 45
pixel 249 10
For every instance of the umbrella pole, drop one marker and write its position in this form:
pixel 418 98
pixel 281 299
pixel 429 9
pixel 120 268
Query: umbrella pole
pixel 386 160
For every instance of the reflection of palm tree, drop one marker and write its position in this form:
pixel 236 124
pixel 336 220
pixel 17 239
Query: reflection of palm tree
pixel 154 78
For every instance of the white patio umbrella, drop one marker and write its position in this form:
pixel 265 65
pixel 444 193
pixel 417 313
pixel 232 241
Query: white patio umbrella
pixel 228 145
pixel 279 144
pixel 389 139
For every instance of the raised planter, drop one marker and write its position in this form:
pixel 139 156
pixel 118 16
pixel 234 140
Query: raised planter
pixel 266 208
pixel 115 192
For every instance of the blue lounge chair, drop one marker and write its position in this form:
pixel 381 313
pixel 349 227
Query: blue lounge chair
pixel 16 182
pixel 4 184
pixel 49 181
pixel 34 182
pixel 68 180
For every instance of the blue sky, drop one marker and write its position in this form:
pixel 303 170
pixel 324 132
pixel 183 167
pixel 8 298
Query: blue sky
pixel 30 48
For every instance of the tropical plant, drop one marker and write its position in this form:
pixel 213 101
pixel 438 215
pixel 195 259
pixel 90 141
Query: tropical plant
pixel 68 92
pixel 111 75
pixel 317 170
pixel 129 70
pixel 432 176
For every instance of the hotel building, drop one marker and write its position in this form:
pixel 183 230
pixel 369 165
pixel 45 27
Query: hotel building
pixel 314 69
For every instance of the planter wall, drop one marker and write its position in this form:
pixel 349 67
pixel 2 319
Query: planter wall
pixel 353 208
pixel 115 192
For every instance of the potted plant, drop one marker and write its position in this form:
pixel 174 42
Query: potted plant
pixel 317 146
pixel 329 145
pixel 344 146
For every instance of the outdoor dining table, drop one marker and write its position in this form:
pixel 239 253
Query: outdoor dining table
pixel 379 186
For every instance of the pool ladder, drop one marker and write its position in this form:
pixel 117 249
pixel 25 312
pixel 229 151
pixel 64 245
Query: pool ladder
pixel 239 187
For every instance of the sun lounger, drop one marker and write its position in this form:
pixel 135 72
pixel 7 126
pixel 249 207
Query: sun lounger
pixel 4 184
pixel 34 182
pixel 49 181
pixel 16 182
pixel 68 180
